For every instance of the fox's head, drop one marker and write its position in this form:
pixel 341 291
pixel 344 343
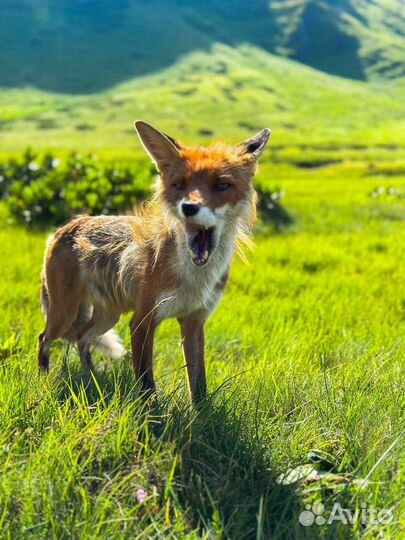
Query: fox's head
pixel 207 190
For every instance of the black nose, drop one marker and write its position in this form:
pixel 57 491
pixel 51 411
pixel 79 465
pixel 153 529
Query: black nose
pixel 190 209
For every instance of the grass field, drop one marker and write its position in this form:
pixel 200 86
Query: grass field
pixel 305 354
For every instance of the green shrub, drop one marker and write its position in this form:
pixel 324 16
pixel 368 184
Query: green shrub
pixel 47 191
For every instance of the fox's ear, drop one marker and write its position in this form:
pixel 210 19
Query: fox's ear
pixel 162 149
pixel 255 145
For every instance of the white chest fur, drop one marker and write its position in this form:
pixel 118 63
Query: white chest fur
pixel 199 290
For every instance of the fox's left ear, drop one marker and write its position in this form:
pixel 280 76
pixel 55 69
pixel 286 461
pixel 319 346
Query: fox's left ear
pixel 255 145
pixel 163 150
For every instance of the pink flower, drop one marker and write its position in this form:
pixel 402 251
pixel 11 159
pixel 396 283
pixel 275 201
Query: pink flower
pixel 141 495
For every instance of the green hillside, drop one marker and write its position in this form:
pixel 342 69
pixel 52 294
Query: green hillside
pixel 85 46
pixel 228 93
pixel 361 39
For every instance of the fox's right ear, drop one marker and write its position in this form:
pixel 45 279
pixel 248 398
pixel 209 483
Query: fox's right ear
pixel 162 149
pixel 255 145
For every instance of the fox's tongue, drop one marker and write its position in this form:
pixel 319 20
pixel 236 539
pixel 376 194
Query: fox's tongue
pixel 200 243
pixel 203 246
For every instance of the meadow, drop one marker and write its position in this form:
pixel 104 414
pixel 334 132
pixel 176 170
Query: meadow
pixel 305 355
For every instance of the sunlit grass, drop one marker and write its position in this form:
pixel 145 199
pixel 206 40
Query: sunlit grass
pixel 304 354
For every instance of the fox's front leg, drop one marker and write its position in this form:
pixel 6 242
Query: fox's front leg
pixel 192 332
pixel 142 334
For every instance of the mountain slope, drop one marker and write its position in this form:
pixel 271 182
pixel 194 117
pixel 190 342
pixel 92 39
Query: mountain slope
pixel 84 46
pixel 361 39
pixel 228 93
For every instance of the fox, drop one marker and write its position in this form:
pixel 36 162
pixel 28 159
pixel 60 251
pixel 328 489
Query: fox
pixel 170 258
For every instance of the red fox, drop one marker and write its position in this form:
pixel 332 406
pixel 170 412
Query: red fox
pixel 168 260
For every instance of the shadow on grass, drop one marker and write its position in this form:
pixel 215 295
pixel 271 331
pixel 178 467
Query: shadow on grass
pixel 105 383
pixel 222 478
pixel 271 210
pixel 274 213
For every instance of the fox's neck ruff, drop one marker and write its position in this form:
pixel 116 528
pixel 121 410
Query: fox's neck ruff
pixel 194 289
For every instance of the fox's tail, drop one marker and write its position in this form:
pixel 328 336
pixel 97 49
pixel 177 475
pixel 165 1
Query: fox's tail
pixel 110 344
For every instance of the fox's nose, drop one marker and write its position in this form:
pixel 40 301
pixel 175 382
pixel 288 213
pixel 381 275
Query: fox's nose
pixel 190 209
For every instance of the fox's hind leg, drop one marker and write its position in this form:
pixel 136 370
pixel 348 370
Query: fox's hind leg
pixel 43 352
pixel 85 356
pixel 93 333
pixel 61 297
pixel 62 313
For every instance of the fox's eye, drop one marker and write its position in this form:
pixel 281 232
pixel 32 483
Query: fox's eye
pixel 178 185
pixel 222 186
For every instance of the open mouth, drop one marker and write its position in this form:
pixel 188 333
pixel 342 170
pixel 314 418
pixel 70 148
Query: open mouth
pixel 200 243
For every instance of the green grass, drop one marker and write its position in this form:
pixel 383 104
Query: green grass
pixel 304 354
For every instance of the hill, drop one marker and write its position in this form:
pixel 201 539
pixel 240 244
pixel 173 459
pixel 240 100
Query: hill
pixel 228 93
pixel 360 39
pixel 86 46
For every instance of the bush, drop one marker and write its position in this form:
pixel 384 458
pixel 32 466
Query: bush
pixel 46 191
